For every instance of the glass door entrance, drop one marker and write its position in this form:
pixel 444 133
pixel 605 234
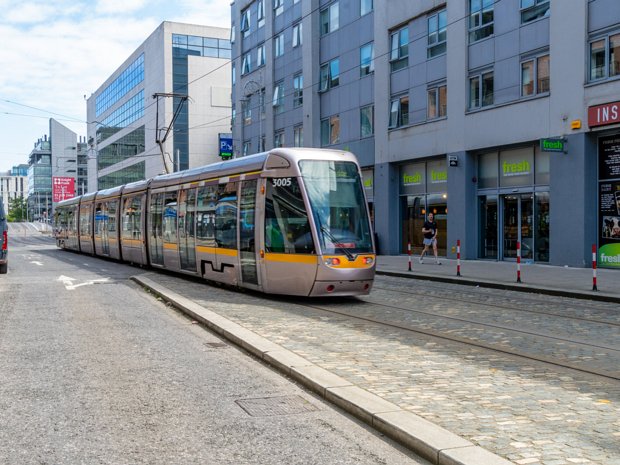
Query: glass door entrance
pixel 518 225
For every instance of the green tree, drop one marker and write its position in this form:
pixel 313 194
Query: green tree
pixel 18 208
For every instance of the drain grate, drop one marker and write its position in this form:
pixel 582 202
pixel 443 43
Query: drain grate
pixel 216 345
pixel 272 406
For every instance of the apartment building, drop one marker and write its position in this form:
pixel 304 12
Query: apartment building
pixel 500 117
pixel 14 184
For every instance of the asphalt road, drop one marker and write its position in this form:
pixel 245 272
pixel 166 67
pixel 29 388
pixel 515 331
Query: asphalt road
pixel 93 370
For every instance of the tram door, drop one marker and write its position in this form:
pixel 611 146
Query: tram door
pixel 518 217
pixel 247 232
pixel 187 233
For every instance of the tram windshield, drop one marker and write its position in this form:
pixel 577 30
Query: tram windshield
pixel 338 206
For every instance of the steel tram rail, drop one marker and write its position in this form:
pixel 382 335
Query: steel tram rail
pixel 524 301
pixel 554 361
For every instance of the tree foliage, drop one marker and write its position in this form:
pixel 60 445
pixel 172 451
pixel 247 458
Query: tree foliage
pixel 18 210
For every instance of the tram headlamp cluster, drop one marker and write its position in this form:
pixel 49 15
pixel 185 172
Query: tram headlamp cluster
pixel 333 261
pixel 368 260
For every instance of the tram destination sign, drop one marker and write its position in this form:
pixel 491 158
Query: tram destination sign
pixel 553 145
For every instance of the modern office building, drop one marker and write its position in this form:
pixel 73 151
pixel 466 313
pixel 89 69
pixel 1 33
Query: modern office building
pixel 502 118
pixel 163 109
pixel 57 169
pixel 14 184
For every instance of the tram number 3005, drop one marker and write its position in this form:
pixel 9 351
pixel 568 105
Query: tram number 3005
pixel 281 182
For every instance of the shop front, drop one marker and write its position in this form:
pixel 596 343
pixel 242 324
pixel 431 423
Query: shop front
pixel 608 240
pixel 513 204
pixel 423 188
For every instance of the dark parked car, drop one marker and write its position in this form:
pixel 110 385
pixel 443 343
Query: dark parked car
pixel 4 250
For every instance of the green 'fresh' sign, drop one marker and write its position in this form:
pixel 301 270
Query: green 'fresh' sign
pixel 552 145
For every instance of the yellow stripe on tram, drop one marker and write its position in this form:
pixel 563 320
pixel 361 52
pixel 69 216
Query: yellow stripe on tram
pixel 291 258
pixel 216 251
pixel 170 246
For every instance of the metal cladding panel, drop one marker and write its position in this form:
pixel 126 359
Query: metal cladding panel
pixel 69 202
pixel 108 193
pixel 136 186
pixel 88 197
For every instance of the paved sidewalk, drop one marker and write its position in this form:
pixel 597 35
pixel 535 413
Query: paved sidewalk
pixel 450 403
pixel 547 279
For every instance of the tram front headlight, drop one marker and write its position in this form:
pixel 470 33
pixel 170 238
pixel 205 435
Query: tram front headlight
pixel 333 261
pixel 369 260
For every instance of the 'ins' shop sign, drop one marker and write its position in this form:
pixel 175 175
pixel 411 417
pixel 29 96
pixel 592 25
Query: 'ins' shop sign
pixel 62 188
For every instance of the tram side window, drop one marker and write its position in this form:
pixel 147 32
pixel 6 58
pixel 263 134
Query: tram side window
pixel 85 220
pixel 111 208
pixel 205 214
pixel 170 217
pixel 100 219
pixel 132 214
pixel 287 229
pixel 226 216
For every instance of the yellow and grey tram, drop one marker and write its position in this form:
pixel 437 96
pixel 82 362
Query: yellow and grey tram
pixel 287 221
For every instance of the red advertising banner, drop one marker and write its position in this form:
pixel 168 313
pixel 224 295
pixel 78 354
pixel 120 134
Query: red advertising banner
pixel 62 188
pixel 600 115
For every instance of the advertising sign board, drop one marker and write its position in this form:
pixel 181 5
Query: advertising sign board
pixel 609 202
pixel 62 188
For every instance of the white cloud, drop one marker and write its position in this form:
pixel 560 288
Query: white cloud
pixel 118 6
pixel 27 13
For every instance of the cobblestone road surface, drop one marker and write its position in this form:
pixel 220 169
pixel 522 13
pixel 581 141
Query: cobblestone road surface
pixel 529 412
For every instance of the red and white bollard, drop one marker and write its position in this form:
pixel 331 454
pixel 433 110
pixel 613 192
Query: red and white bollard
pixel 458 257
pixel 409 253
pixel 518 262
pixel 594 288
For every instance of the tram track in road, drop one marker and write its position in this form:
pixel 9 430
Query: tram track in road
pixel 564 352
pixel 561 309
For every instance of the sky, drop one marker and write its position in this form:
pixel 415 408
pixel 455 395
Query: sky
pixel 53 53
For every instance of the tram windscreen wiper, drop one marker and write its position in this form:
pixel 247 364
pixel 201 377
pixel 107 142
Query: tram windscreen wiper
pixel 337 243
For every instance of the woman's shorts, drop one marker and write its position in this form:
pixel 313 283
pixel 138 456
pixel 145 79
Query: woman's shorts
pixel 429 241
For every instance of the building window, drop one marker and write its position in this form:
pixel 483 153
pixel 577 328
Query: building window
pixel 535 76
pixel 480 19
pixel 366 6
pixel 298 90
pixel 278 139
pixel 605 57
pixel 261 103
pixel 261 12
pixel 297 30
pixel 261 143
pixel 245 22
pixel 330 130
pixel 367 121
pixel 247 148
pixel 481 90
pixel 329 19
pixel 367 59
pixel 260 55
pixel 246 64
pixel 399 49
pixel 233 73
pixel 437 26
pixel 278 45
pixel 437 102
pixel 399 112
pixel 533 9
pixel 232 34
pixel 278 97
pixel 329 75
pixel 298 136
pixel 246 108
pixel 278 7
